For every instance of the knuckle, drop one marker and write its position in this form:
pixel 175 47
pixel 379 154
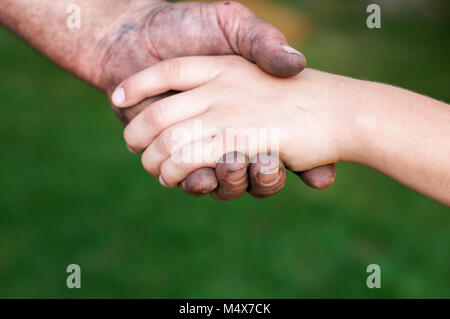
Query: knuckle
pixel 182 166
pixel 229 88
pixel 128 136
pixel 165 142
pixel 233 60
pixel 154 116
pixel 172 69
pixel 131 86
pixel 227 82
pixel 169 175
pixel 147 164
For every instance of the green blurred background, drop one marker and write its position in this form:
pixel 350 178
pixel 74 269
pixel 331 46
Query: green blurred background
pixel 72 193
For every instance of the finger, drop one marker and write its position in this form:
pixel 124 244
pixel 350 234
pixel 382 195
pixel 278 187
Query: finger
pixel 232 175
pixel 158 152
pixel 179 74
pixel 126 115
pixel 169 142
pixel 198 183
pixel 192 138
pixel 189 158
pixel 321 177
pixel 258 41
pixel 267 175
pixel 201 182
pixel 146 126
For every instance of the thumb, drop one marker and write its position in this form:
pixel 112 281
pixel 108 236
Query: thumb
pixel 258 41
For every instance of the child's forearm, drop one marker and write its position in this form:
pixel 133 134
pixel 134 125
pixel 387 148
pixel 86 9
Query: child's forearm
pixel 399 133
pixel 322 118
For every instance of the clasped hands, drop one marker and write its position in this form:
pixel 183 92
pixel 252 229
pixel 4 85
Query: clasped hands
pixel 257 87
pixel 228 105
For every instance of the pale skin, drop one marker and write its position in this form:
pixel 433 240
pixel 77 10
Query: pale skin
pixel 323 118
pixel 118 38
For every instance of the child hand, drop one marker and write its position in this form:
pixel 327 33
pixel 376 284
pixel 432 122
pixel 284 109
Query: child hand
pixel 228 103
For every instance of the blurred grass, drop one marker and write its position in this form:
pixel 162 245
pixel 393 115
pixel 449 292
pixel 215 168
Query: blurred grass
pixel 71 192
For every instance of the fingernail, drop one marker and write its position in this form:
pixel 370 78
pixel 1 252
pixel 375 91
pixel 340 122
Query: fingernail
pixel 269 175
pixel 131 150
pixel 161 180
pixel 236 176
pixel 290 50
pixel 118 97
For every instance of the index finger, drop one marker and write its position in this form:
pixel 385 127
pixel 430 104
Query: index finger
pixel 179 74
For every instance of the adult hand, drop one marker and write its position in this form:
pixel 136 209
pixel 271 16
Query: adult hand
pixel 153 31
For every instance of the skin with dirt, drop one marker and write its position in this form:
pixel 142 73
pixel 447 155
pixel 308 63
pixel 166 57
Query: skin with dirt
pixel 121 37
pixel 146 41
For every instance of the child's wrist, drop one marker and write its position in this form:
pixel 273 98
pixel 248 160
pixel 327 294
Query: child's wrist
pixel 337 100
pixel 342 102
pixel 356 120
